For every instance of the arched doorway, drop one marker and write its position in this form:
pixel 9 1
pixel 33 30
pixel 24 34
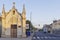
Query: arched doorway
pixel 13 30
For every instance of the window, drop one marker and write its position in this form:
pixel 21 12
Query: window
pixel 19 26
pixel 13 12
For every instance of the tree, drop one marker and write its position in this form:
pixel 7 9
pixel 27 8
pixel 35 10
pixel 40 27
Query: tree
pixel 30 24
pixel 31 27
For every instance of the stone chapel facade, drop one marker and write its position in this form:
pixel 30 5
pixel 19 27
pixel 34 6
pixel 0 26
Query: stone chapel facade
pixel 13 22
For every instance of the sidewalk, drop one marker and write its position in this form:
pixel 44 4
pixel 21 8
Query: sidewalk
pixel 27 38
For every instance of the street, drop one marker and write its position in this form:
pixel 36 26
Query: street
pixel 37 36
pixel 27 38
pixel 45 36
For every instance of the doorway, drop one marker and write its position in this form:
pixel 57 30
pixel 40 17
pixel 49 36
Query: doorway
pixel 14 31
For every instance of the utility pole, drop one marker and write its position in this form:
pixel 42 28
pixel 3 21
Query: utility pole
pixel 30 21
pixel 30 16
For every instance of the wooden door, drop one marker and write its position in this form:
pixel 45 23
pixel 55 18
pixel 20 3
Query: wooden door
pixel 13 31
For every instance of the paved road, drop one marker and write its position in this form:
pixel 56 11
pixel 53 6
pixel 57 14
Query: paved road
pixel 45 36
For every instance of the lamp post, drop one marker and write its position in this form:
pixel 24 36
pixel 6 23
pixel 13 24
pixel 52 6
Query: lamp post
pixel 30 21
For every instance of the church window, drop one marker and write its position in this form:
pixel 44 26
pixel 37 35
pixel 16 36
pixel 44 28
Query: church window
pixel 19 26
pixel 13 12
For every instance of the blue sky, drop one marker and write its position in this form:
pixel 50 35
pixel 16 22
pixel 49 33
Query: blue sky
pixel 43 11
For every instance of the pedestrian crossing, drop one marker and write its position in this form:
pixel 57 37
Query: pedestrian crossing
pixel 45 36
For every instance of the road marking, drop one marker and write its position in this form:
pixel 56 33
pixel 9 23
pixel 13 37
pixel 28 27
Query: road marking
pixel 34 37
pixel 42 37
pixel 46 37
pixel 38 37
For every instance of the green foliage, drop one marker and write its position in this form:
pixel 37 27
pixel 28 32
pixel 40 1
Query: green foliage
pixel 31 27
pixel 30 24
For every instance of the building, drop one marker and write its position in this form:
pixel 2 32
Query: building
pixel 56 26
pixel 47 29
pixel 53 27
pixel 0 26
pixel 13 22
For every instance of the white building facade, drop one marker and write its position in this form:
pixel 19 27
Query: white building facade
pixel 56 25
pixel 47 28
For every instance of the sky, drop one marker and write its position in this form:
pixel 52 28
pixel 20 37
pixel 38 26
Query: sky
pixel 42 11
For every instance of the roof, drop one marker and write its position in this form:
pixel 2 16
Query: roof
pixel 10 11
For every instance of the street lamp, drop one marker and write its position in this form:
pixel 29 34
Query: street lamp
pixel 30 21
